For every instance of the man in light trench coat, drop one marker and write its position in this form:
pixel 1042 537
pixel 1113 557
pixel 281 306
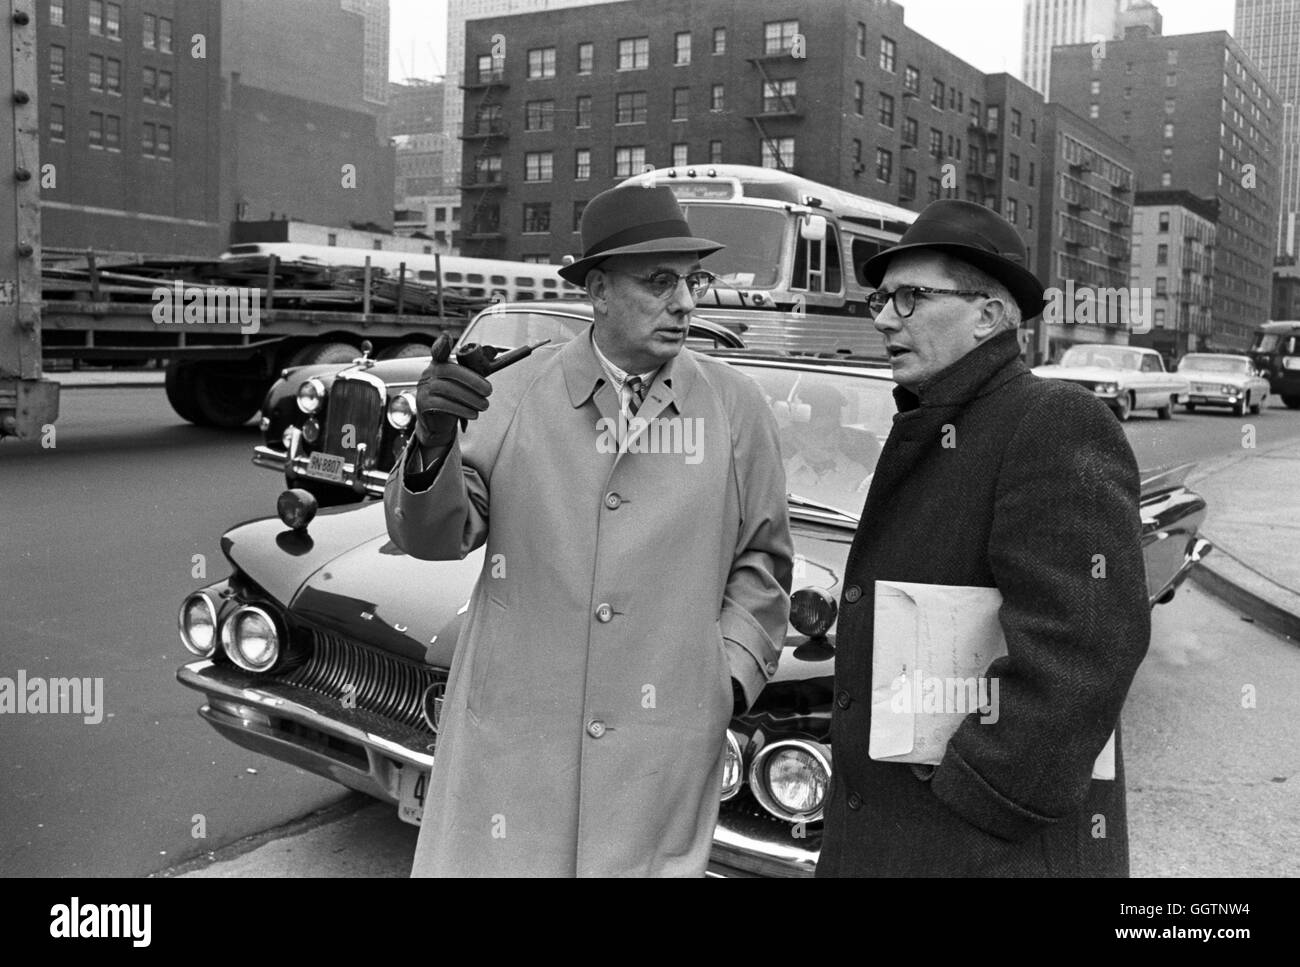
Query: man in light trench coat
pixel 635 587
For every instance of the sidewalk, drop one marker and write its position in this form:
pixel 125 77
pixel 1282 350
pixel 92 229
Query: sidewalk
pixel 1253 520
pixel 107 378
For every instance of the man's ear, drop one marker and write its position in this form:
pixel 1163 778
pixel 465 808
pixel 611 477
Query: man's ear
pixel 597 289
pixel 992 318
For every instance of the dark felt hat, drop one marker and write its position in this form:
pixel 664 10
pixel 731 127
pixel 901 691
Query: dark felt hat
pixel 629 220
pixel 973 234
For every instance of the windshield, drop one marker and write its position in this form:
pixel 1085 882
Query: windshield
pixel 1214 364
pixel 510 329
pixel 753 236
pixel 831 430
pixel 1105 357
pixel 1272 342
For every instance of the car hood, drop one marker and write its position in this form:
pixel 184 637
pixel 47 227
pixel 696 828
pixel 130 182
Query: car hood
pixel 1096 374
pixel 1200 376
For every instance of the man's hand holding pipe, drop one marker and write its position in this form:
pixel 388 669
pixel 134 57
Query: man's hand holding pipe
pixel 447 392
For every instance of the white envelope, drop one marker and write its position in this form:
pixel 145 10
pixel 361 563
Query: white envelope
pixel 933 646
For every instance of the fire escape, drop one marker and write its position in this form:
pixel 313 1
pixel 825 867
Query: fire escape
pixel 776 106
pixel 984 136
pixel 481 232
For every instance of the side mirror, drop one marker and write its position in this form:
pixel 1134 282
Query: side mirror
pixel 813 228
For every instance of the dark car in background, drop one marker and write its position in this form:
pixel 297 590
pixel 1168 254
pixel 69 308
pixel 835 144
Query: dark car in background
pixel 1276 351
pixel 336 430
pixel 329 648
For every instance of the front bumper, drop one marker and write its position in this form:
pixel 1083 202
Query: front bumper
pixel 294 463
pixel 1196 551
pixel 367 753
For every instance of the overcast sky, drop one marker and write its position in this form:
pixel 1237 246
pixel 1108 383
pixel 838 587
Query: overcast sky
pixel 985 33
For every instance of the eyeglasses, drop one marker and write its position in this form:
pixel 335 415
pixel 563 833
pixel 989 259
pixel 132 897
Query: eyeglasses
pixel 905 298
pixel 664 282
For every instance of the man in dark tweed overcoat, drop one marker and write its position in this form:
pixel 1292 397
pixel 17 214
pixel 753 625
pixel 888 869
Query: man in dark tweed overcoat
pixel 991 477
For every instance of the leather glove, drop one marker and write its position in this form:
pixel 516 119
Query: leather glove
pixel 447 392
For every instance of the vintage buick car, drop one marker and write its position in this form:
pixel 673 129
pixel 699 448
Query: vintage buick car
pixel 335 430
pixel 1127 378
pixel 316 652
pixel 1218 379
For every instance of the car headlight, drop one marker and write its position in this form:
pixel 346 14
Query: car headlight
pixel 1107 388
pixel 198 624
pixel 1230 390
pixel 310 394
pixel 250 638
pixel 790 779
pixel 401 410
pixel 812 611
pixel 733 770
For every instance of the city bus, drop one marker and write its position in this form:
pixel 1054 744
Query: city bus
pixel 790 277
pixel 1276 352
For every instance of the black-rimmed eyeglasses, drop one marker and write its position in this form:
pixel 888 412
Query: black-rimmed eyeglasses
pixel 663 282
pixel 905 298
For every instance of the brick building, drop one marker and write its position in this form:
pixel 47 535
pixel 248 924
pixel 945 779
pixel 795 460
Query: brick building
pixel 1198 116
pixel 1174 235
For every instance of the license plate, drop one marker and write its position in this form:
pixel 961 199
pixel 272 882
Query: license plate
pixel 326 466
pixel 411 787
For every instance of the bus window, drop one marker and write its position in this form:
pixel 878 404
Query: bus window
pixel 834 273
pixel 477 293
pixel 498 280
pixel 864 249
pixel 525 296
pixel 455 277
pixel 808 269
pixel 427 275
pixel 528 283
pixel 550 295
pixel 549 283
pixel 474 277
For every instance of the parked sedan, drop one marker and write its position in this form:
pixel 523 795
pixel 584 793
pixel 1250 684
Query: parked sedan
pixel 336 430
pixel 329 648
pixel 1218 379
pixel 1126 378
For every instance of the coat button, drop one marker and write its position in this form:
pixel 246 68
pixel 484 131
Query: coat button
pixel 595 728
pixel 852 593
pixel 770 668
pixel 612 500
pixel 604 614
pixel 855 801
pixel 843 699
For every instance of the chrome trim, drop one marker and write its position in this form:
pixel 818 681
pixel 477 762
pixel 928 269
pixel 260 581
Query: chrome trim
pixel 764 796
pixel 362 377
pixel 1194 554
pixel 734 744
pixel 227 634
pixel 216 629
pixel 371 481
pixel 321 395
pixel 737 851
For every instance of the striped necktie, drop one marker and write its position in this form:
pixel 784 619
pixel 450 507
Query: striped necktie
pixel 636 388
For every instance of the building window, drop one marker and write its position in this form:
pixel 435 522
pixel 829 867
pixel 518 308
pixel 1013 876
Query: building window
pixel 857 151
pixel 719 40
pixel 1166 179
pixel 578 208
pixel 681 103
pixel 164 87
pixel 778 35
pixel 778 153
pixel 488 119
pixel 1169 129
pixel 57 75
pixel 1167 155
pixel 993 120
pixel 1013 211
pixel 1029 216
pixel 715 152
pixel 148 139
pixel 541 63
pixel 682 49
pixel 629 161
pixel 1162 285
pixel 1013 167
pixel 113 76
pixel 96 21
pixel 1094 87
pixel 932 189
pixel 1171 79
pixel 912 80
pixel 1015 122
pixel 586 58
pixel 150 85
pixel 1031 174
pixel 112 131
pixel 778 96
pixel 907 185
pixel 538 115
pixel 1163 221
pixel 95 132
pixel 113 21
pixel 150 32
pixel 1094 111
pixel 717 97
pixel 538 165
pixel 537 217
pixel 582 112
pixel 164 47
pixel 884 165
pixel 909 131
pixel 1162 254
pixel 886 110
pixel 936 143
pixel 859 95
pixel 1160 318
pixel 164 141
pixel 936 94
pixel 96 72
pixel 487 170
pixel 680 152
pixel 634 54
pixel 1169 105
pixel 1171 57
pixel 56 13
pixel 57 130
pixel 888 54
pixel 630 107
pixel 862 40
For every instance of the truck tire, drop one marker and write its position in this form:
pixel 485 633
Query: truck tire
pixel 1292 402
pixel 316 353
pixel 179 385
pixel 405 350
pixel 225 397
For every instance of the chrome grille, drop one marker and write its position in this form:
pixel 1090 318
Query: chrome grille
pixel 383 684
pixel 357 403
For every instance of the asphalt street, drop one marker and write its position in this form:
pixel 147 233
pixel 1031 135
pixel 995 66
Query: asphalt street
pixel 102 531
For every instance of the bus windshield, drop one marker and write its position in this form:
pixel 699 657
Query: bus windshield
pixel 753 236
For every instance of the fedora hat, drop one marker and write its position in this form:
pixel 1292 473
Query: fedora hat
pixel 629 220
pixel 973 234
